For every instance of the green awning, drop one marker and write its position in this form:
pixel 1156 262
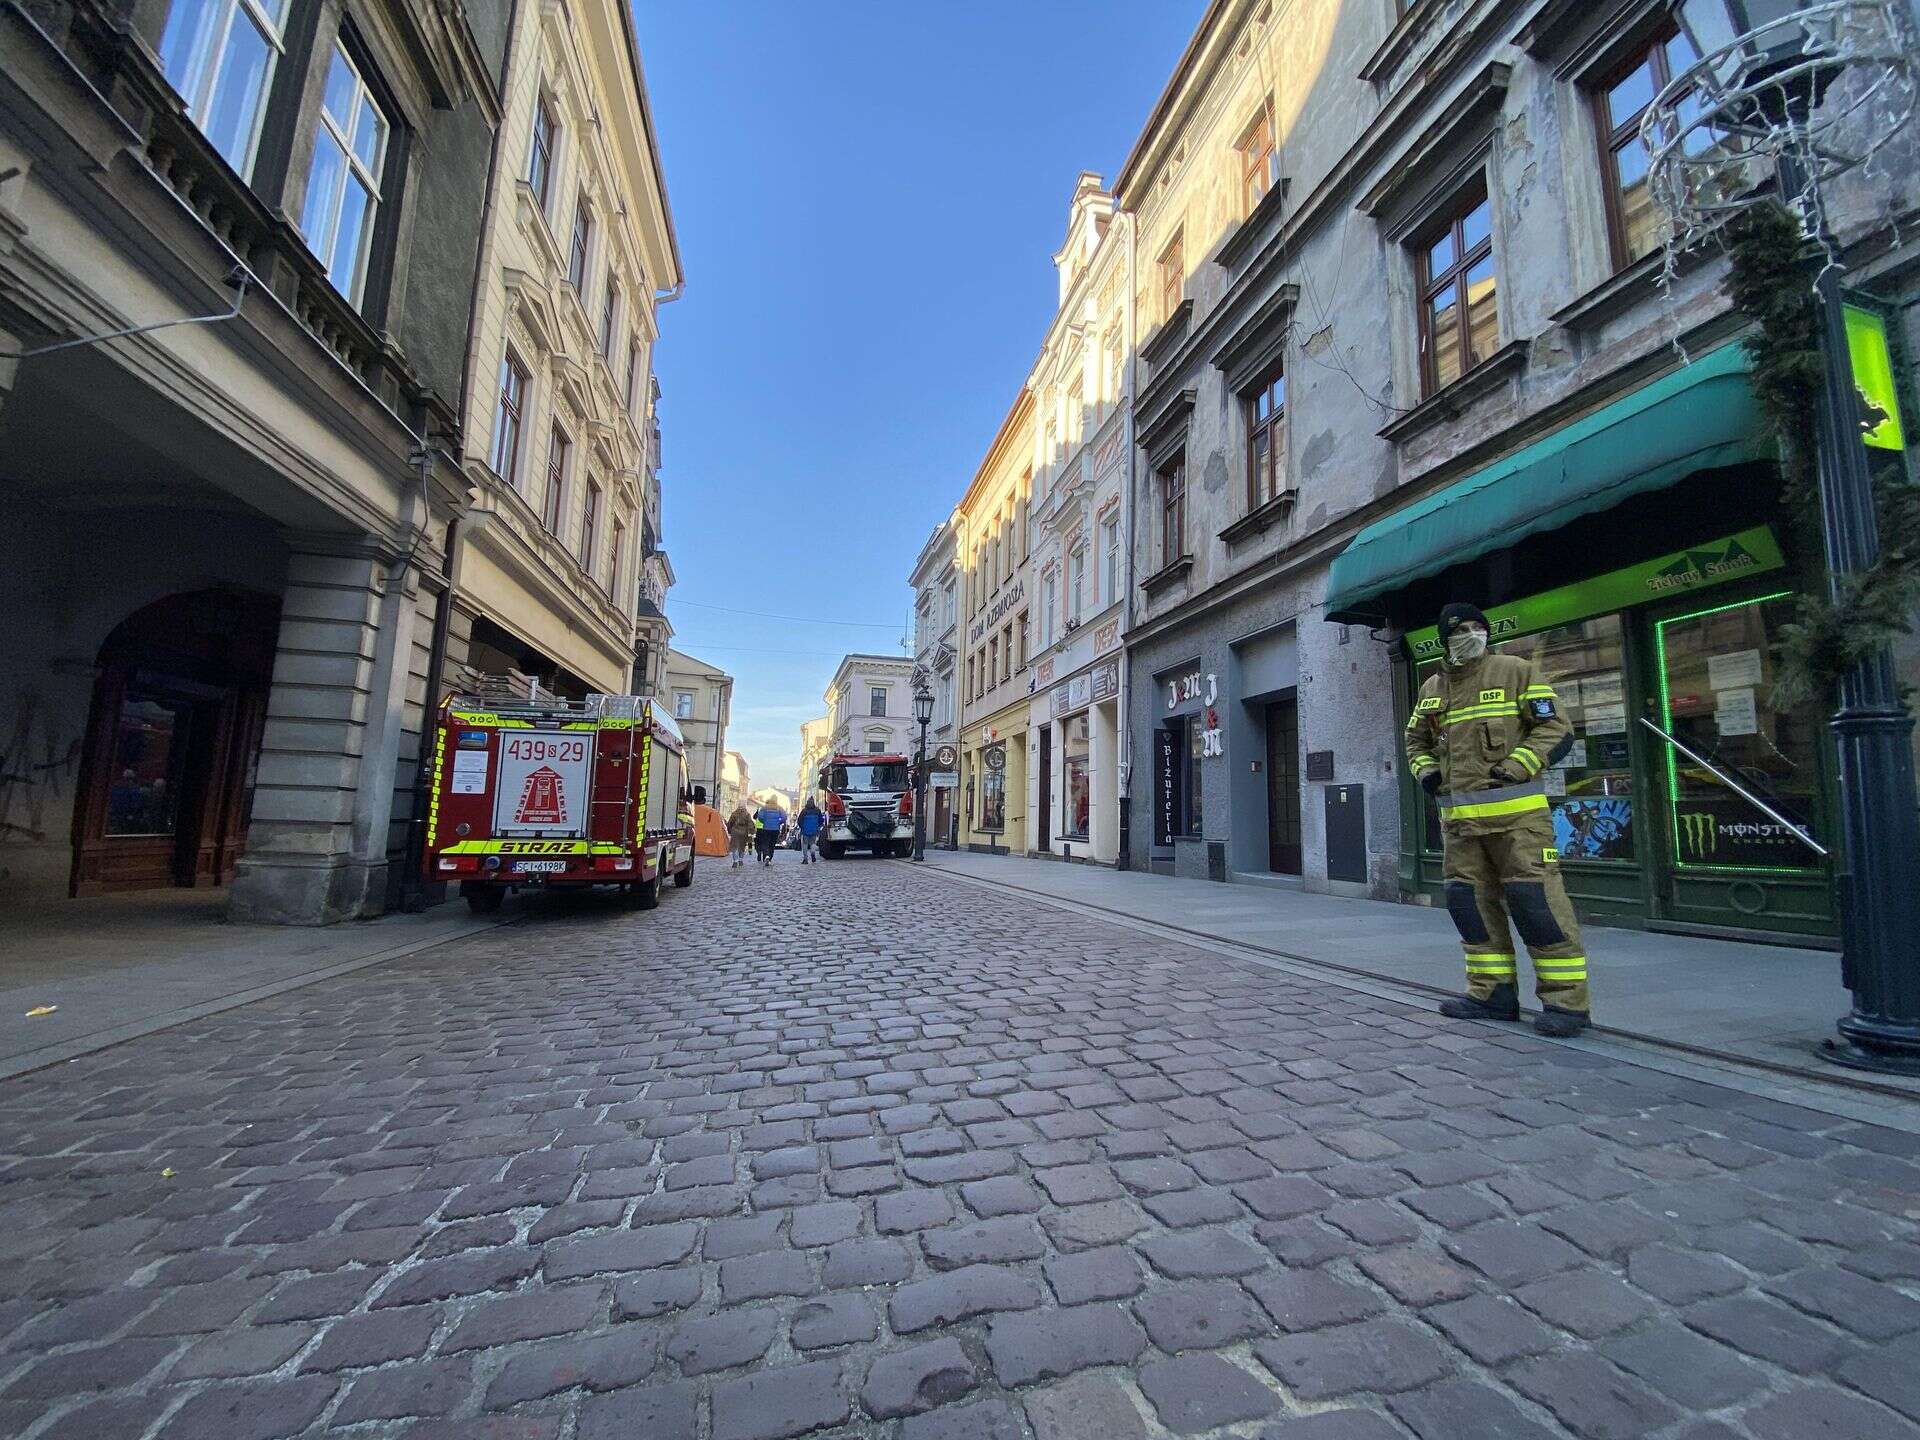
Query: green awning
pixel 1699 417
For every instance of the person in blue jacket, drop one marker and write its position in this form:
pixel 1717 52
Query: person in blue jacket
pixel 812 821
pixel 772 821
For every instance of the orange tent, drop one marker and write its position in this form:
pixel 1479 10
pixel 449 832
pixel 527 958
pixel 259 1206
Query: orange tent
pixel 709 831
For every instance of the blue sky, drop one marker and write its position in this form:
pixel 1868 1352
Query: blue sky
pixel 868 196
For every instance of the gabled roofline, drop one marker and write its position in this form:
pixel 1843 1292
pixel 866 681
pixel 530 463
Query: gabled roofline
pixel 1176 83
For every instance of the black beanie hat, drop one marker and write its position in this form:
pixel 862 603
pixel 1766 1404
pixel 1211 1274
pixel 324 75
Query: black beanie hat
pixel 1457 614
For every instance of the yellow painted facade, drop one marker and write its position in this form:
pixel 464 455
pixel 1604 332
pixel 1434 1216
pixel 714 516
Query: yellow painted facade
pixel 993 540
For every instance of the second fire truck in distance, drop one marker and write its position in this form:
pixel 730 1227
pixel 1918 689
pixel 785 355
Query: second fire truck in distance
pixel 868 800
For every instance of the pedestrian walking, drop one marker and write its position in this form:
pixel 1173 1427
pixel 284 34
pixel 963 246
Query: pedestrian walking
pixel 811 822
pixel 771 818
pixel 739 834
pixel 1483 733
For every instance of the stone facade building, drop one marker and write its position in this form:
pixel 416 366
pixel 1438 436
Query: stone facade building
pixel 936 653
pixel 231 446
pixel 1397 325
pixel 240 250
pixel 816 743
pixel 561 436
pixel 1080 564
pixel 993 549
pixel 870 700
pixel 1410 335
pixel 701 699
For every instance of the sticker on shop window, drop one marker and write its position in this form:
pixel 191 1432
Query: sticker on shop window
pixel 1492 697
pixel 1541 709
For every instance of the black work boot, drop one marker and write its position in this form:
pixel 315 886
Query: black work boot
pixel 1560 1023
pixel 1502 1004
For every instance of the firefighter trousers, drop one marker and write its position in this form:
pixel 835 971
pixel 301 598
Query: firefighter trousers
pixel 1514 873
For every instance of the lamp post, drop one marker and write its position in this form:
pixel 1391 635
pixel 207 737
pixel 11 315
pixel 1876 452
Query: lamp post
pixel 923 713
pixel 1764 70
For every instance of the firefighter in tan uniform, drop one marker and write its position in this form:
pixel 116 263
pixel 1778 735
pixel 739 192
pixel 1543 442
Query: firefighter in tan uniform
pixel 1480 739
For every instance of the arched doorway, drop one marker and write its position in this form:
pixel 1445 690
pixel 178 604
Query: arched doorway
pixel 173 738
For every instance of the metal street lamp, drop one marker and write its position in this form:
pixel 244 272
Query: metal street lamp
pixel 1765 67
pixel 922 712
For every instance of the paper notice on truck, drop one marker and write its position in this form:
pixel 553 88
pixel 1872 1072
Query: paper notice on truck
pixel 543 783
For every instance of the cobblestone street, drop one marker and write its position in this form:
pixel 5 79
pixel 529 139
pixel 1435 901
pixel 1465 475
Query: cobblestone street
pixel 951 1165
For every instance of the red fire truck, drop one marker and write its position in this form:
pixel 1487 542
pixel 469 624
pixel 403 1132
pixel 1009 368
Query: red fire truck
pixel 537 792
pixel 869 804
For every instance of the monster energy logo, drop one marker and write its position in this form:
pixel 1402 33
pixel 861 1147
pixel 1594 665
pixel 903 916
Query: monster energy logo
pixel 1702 831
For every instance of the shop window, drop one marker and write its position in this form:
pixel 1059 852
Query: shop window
pixel 220 55
pixel 1079 788
pixel 1591 790
pixel 1635 224
pixel 343 185
pixel 1717 674
pixel 149 765
pixel 993 789
pixel 1190 775
pixel 1459 320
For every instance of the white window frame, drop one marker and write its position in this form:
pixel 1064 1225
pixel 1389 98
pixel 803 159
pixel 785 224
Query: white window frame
pixel 543 109
pixel 504 449
pixel 683 704
pixel 354 168
pixel 1077 582
pixel 203 70
pixel 1110 532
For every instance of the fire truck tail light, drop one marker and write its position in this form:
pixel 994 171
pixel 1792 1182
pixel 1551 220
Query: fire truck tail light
pixel 492 862
pixel 623 863
pixel 447 862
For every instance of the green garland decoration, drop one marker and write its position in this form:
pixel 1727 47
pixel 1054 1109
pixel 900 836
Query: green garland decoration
pixel 1829 634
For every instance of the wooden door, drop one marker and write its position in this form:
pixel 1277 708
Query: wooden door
pixel 1283 787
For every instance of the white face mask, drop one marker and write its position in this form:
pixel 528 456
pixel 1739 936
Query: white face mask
pixel 1466 644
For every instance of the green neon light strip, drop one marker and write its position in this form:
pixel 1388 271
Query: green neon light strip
pixel 1666 723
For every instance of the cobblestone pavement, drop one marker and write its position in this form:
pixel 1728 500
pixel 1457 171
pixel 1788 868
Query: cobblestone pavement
pixel 858 1151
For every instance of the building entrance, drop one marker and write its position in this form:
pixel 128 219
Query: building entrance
pixel 173 741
